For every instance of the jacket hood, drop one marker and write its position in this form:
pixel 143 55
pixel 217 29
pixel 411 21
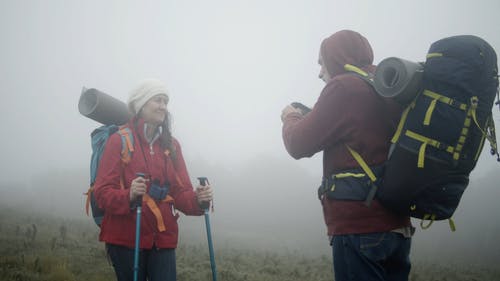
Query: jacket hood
pixel 345 47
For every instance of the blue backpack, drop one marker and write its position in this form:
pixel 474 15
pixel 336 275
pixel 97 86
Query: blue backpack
pixel 99 138
pixel 442 131
pixel 440 135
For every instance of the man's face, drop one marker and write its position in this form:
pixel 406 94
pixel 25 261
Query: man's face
pixel 323 73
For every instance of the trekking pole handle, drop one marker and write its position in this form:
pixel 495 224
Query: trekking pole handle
pixel 138 202
pixel 204 182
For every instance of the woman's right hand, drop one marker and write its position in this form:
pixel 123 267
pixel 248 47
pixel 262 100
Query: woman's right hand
pixel 138 188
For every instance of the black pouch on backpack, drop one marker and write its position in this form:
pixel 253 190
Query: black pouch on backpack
pixel 351 184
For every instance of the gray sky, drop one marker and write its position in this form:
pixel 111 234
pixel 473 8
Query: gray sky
pixel 230 66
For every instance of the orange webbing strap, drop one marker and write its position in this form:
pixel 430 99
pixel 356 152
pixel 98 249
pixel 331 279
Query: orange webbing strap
pixel 89 194
pixel 156 211
pixel 87 201
pixel 128 147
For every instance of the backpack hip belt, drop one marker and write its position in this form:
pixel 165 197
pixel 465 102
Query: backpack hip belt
pixel 359 184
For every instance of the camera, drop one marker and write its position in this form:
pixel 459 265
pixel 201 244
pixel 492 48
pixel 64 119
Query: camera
pixel 158 192
pixel 302 107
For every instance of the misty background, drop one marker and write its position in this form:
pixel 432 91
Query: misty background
pixel 230 67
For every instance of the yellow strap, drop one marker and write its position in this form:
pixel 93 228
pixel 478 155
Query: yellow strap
pixel 352 68
pixel 401 123
pixel 488 124
pixel 491 127
pixel 474 117
pixel 429 217
pixel 347 175
pixel 433 55
pixel 429 141
pixel 426 141
pixel 362 163
pixel 452 224
pixel 413 207
pixel 421 155
pixel 474 103
pixel 445 99
pixel 428 114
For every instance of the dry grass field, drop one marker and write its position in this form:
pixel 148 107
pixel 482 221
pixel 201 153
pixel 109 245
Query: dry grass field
pixel 36 247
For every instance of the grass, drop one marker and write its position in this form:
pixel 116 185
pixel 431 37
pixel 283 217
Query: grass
pixel 36 247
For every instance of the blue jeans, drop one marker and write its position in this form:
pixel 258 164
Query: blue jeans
pixel 154 264
pixel 371 257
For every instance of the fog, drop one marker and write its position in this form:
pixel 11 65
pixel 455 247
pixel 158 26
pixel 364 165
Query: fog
pixel 230 67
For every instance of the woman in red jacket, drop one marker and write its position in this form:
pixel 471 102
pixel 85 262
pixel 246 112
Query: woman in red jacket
pixel 154 176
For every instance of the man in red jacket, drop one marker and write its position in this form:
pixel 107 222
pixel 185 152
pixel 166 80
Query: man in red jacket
pixel 368 241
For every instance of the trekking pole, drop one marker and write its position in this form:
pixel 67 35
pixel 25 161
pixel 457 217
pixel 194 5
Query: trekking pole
pixel 203 182
pixel 137 232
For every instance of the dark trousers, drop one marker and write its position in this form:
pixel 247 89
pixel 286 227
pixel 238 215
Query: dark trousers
pixel 154 264
pixel 371 257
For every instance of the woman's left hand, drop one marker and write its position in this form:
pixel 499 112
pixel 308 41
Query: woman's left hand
pixel 204 194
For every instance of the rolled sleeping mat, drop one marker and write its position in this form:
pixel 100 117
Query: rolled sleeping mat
pixel 399 79
pixel 102 107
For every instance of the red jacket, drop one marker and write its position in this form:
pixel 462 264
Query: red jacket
pixel 350 112
pixel 118 225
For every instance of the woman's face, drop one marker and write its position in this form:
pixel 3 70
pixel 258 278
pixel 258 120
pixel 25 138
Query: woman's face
pixel 155 110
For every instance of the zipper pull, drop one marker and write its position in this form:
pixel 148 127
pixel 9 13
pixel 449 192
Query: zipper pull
pixel 151 152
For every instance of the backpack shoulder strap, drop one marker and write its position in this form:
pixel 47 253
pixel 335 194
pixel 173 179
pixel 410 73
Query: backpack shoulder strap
pixel 368 171
pixel 98 138
pixel 366 76
pixel 127 143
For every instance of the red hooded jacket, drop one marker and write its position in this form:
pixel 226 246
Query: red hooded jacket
pixel 118 225
pixel 348 111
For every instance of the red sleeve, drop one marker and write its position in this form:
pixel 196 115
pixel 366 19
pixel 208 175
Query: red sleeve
pixel 107 191
pixel 182 191
pixel 329 122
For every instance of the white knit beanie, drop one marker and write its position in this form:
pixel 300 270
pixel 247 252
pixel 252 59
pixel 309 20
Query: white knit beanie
pixel 147 89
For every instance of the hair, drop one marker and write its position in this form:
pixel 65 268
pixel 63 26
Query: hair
pixel 166 138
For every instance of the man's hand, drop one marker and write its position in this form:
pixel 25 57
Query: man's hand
pixel 287 110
